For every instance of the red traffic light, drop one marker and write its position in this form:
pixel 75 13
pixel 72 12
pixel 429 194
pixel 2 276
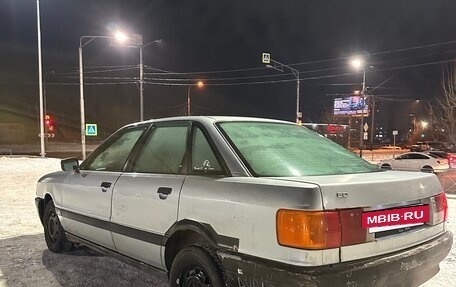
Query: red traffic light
pixel 49 123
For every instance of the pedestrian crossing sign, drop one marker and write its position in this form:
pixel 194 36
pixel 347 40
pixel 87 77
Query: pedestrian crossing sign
pixel 91 130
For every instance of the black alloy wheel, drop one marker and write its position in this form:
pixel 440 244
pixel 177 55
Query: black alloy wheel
pixel 197 266
pixel 195 276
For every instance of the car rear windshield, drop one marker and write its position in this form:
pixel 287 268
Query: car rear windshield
pixel 286 150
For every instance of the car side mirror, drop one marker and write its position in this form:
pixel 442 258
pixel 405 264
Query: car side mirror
pixel 69 164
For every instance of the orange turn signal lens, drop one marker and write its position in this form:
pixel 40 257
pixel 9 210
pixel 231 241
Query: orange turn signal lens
pixel 308 229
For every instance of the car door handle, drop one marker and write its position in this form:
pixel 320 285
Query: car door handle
pixel 163 192
pixel 105 185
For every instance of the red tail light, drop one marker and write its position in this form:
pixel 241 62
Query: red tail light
pixel 319 229
pixel 441 205
pixel 352 231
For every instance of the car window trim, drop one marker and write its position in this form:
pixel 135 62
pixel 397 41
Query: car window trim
pixel 218 156
pixel 101 148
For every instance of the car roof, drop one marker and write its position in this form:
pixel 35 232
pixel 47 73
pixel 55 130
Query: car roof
pixel 211 119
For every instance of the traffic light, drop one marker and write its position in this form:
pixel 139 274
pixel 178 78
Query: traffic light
pixel 49 124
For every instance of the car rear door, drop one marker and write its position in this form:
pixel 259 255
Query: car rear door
pixel 146 196
pixel 402 162
pixel 86 193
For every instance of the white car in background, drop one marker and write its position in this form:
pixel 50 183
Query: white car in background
pixel 416 161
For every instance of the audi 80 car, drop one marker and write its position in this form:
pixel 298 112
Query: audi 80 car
pixel 230 201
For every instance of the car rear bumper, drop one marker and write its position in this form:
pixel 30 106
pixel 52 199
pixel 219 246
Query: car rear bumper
pixel 409 267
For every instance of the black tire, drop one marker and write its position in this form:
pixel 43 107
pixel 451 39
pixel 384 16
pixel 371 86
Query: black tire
pixel 197 265
pixel 54 234
pixel 428 169
pixel 386 167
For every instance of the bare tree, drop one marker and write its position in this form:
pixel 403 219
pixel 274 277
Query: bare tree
pixel 443 112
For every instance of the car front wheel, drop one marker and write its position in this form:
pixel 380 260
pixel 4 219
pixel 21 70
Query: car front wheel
pixel 196 266
pixel 386 167
pixel 427 169
pixel 54 234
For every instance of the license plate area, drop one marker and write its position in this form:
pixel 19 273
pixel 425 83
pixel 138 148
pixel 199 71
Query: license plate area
pixel 395 218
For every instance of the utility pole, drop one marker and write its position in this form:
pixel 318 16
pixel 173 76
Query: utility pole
pixel 361 131
pixel 40 79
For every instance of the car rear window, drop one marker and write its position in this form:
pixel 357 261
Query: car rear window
pixel 286 150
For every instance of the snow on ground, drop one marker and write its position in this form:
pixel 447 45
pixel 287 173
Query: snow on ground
pixel 25 260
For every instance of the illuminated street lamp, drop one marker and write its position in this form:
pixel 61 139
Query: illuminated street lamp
pixel 424 124
pixel 199 84
pixel 358 64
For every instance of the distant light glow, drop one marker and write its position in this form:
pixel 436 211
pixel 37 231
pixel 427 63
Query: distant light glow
pixel 357 63
pixel 120 37
pixel 424 124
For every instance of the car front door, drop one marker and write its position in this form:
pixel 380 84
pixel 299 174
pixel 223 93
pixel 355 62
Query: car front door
pixel 87 192
pixel 402 162
pixel 146 197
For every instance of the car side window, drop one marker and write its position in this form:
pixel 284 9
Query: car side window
pixel 163 151
pixel 203 157
pixel 404 156
pixel 421 156
pixel 114 156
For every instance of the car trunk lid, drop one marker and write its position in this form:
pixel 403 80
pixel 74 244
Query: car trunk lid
pixel 374 189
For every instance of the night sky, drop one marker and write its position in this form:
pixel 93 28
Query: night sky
pixel 203 37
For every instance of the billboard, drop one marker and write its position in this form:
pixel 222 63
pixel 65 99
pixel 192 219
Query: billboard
pixel 351 105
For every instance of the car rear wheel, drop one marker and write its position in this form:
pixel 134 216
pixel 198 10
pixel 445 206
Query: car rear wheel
pixel 427 169
pixel 386 167
pixel 54 234
pixel 196 266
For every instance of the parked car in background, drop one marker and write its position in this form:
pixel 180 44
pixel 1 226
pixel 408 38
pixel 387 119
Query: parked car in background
pixel 427 145
pixel 451 157
pixel 391 147
pixel 227 201
pixel 416 161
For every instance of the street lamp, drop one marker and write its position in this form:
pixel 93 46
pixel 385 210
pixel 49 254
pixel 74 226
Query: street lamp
pixel 199 84
pixel 118 37
pixel 266 58
pixel 358 63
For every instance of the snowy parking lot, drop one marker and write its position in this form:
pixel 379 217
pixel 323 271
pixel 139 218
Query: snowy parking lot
pixel 25 260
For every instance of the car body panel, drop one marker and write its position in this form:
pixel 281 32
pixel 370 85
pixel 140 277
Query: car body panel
pixel 82 194
pixel 136 204
pixel 246 208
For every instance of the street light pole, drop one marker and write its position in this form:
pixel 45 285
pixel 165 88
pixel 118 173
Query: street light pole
pixel 81 88
pixel 81 103
pixel 40 79
pixel 199 84
pixel 141 74
pixel 280 67
pixel 188 100
pixel 361 126
pixel 141 83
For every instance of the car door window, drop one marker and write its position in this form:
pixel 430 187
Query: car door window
pixel 203 157
pixel 163 151
pixel 115 154
pixel 421 156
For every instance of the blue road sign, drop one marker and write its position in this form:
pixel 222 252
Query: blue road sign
pixel 91 130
